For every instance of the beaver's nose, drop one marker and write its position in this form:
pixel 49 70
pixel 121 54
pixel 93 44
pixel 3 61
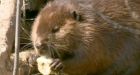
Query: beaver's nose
pixel 41 46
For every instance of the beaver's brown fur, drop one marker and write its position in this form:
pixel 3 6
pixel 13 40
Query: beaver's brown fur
pixel 95 34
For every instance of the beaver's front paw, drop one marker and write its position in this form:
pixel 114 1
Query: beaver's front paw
pixel 56 65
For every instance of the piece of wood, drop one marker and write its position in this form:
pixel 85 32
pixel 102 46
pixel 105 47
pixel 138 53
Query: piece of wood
pixel 43 65
pixel 27 62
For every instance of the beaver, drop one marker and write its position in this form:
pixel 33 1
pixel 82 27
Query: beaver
pixel 83 40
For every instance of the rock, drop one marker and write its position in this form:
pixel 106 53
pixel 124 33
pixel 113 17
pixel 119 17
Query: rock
pixel 7 21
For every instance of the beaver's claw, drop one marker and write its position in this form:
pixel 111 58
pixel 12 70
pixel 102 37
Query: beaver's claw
pixel 56 65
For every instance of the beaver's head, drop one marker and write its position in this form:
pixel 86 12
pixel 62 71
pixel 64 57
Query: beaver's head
pixel 55 30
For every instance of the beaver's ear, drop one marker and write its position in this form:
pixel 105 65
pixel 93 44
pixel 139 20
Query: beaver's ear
pixel 77 16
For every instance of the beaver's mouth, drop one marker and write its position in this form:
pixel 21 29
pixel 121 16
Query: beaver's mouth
pixel 52 51
pixel 49 51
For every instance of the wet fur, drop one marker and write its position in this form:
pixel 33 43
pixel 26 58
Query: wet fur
pixel 95 47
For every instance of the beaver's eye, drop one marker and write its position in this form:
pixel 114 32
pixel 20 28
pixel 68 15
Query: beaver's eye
pixel 55 29
pixel 77 16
